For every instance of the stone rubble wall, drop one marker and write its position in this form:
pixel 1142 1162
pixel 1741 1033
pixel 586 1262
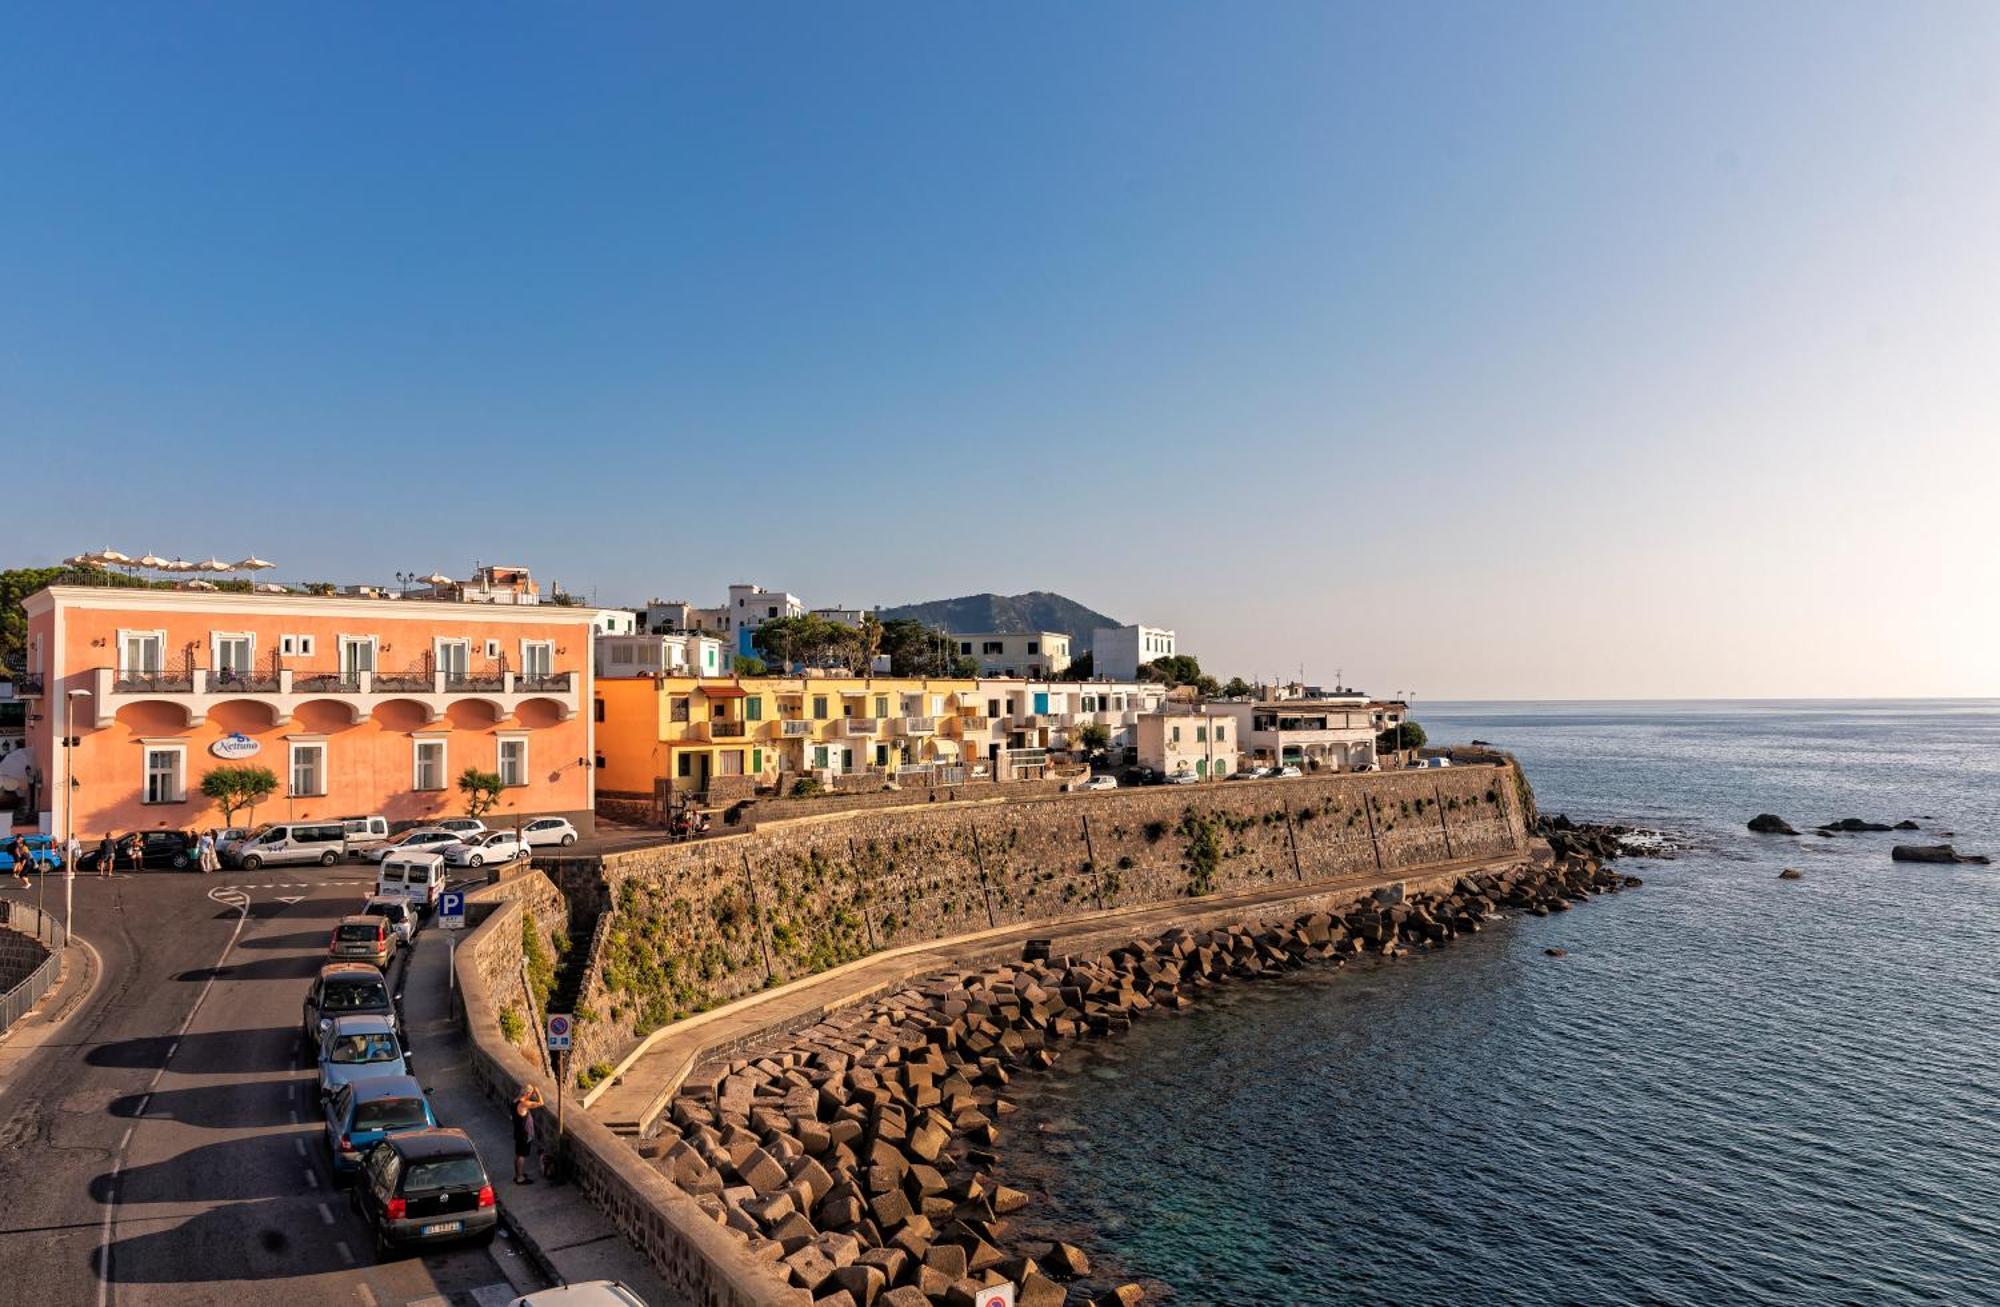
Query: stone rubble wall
pixel 699 924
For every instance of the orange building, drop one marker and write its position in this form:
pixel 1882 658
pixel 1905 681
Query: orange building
pixel 357 706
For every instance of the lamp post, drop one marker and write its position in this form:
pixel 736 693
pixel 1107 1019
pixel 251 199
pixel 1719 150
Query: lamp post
pixel 69 809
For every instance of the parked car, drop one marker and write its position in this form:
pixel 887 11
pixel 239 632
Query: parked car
pixel 363 834
pixel 478 850
pixel 461 826
pixel 359 938
pixel 1249 774
pixel 170 850
pixel 1099 783
pixel 424 1187
pixel 1287 772
pixel 362 1113
pixel 415 878
pixel 1183 778
pixel 324 842
pixel 398 912
pixel 549 830
pixel 44 854
pixel 1437 762
pixel 343 989
pixel 357 1047
pixel 424 839
pixel 589 1293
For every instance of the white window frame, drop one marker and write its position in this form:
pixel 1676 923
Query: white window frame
pixel 125 635
pixel 296 646
pixel 492 648
pixel 178 750
pixel 438 648
pixel 417 746
pixel 292 769
pixel 287 645
pixel 549 645
pixel 342 643
pixel 500 759
pixel 215 639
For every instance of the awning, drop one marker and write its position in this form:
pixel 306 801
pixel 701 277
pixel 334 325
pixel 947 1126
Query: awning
pixel 725 692
pixel 944 748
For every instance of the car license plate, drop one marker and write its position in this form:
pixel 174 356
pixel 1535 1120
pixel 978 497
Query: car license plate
pixel 445 1227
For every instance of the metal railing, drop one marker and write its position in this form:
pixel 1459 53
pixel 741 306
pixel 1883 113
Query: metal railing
pixel 545 681
pixel 27 685
pixel 722 729
pixel 794 727
pixel 18 1001
pixel 919 725
pixel 173 678
pixel 860 725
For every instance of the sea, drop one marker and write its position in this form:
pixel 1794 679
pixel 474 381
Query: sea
pixel 1733 1089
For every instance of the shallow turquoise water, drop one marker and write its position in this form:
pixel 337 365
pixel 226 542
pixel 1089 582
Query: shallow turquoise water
pixel 1733 1090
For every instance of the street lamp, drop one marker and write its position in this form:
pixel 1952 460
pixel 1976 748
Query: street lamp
pixel 69 810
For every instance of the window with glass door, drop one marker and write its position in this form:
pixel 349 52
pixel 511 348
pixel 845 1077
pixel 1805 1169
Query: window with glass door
pixel 141 651
pixel 513 762
pixel 232 654
pixel 454 658
pixel 538 658
pixel 430 766
pixel 165 770
pixel 357 655
pixel 308 770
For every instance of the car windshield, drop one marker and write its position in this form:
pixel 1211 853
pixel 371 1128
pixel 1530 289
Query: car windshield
pixel 349 1049
pixel 356 933
pixel 354 995
pixel 444 1173
pixel 390 1114
pixel 384 910
pixel 419 837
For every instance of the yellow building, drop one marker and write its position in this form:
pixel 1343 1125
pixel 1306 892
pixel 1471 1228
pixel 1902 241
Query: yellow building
pixel 723 739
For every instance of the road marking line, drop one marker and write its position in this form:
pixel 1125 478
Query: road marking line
pixel 241 903
pixel 295 1116
pixel 127 1139
pixel 312 1179
pixel 347 1255
pixel 326 1214
pixel 299 1146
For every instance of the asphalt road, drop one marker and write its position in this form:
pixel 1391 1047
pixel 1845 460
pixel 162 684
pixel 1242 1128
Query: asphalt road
pixel 165 1147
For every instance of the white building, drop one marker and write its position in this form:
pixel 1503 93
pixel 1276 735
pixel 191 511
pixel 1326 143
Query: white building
pixel 489 584
pixel 1202 743
pixel 749 607
pixel 613 621
pixel 1336 734
pixel 662 654
pixel 1050 714
pixel 1035 655
pixel 1120 651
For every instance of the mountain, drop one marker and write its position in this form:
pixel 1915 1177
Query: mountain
pixel 1037 610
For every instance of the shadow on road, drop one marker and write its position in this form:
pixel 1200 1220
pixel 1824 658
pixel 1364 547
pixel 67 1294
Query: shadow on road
pixel 312 939
pixel 272 1048
pixel 232 1170
pixel 257 1106
pixel 291 968
pixel 272 1239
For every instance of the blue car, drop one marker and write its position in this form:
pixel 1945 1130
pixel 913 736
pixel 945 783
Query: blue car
pixel 356 1048
pixel 44 854
pixel 362 1113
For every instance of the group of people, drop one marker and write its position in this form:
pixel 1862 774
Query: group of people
pixel 207 854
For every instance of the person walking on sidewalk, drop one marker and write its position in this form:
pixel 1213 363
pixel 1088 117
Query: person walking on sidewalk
pixel 21 857
pixel 525 1104
pixel 107 856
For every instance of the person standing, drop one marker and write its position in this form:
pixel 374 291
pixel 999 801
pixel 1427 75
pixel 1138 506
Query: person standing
pixel 21 857
pixel 135 849
pixel 205 851
pixel 72 853
pixel 525 1104
pixel 107 855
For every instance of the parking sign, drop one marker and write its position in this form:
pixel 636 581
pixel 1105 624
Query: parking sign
pixel 999 1295
pixel 451 909
pixel 558 1032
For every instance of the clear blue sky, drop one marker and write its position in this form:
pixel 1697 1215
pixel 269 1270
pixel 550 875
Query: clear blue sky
pixel 1483 350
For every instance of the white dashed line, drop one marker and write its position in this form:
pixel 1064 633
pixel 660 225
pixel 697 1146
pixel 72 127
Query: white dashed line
pixel 312 1178
pixel 326 1214
pixel 123 1143
pixel 295 1116
pixel 347 1255
pixel 299 1147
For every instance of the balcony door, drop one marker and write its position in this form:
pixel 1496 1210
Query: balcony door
pixel 356 656
pixel 232 655
pixel 142 652
pixel 454 659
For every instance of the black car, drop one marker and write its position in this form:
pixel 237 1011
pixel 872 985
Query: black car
pixel 425 1187
pixel 160 850
pixel 343 989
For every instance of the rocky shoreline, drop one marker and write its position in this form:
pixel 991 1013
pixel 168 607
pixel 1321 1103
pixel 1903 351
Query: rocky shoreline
pixel 859 1156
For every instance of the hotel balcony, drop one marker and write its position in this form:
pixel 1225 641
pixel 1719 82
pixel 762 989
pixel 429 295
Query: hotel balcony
pixel 917 725
pixel 724 729
pixel 198 689
pixel 860 725
pixel 27 685
pixel 974 724
pixel 795 728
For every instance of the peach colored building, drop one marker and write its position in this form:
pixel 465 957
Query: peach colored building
pixel 358 706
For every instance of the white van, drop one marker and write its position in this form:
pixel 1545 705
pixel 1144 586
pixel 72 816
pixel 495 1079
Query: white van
pixel 364 833
pixel 324 842
pixel 416 878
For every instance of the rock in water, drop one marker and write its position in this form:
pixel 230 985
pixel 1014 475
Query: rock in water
pixel 1854 824
pixel 1769 823
pixel 1556 952
pixel 1933 853
pixel 1906 824
pixel 1791 873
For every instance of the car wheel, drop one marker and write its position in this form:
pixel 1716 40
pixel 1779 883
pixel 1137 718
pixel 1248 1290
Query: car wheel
pixel 328 858
pixel 475 861
pixel 252 862
pixel 568 840
pixel 180 862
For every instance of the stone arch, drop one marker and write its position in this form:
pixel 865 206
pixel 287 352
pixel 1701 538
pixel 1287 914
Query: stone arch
pixel 403 714
pixel 329 714
pixel 248 715
pixel 476 713
pixel 541 712
pixel 156 716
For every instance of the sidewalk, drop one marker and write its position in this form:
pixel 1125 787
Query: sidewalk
pixel 77 979
pixel 643 1089
pixel 554 1225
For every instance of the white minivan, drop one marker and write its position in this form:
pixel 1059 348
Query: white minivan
pixel 364 833
pixel 324 842
pixel 416 878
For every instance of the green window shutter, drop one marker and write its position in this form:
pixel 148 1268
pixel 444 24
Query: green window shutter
pixel 757 762
pixel 819 755
pixel 753 709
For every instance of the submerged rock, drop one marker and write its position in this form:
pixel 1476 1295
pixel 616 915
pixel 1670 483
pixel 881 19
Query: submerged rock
pixel 1770 823
pixel 1906 824
pixel 1933 853
pixel 1556 952
pixel 1791 873
pixel 1854 824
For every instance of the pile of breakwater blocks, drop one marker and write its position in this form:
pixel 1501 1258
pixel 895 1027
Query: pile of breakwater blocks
pixel 859 1157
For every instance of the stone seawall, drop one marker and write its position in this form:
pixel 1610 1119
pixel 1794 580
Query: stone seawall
pixel 695 925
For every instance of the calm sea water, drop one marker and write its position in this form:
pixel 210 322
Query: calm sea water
pixel 1733 1090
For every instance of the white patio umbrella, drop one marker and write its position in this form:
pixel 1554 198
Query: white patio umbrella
pixel 214 565
pixel 110 557
pixel 437 578
pixel 203 585
pixel 177 565
pixel 254 564
pixel 273 588
pixel 151 562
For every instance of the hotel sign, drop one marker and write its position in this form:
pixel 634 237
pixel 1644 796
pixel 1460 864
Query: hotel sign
pixel 235 745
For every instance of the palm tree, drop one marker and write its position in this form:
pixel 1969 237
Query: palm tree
pixel 868 641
